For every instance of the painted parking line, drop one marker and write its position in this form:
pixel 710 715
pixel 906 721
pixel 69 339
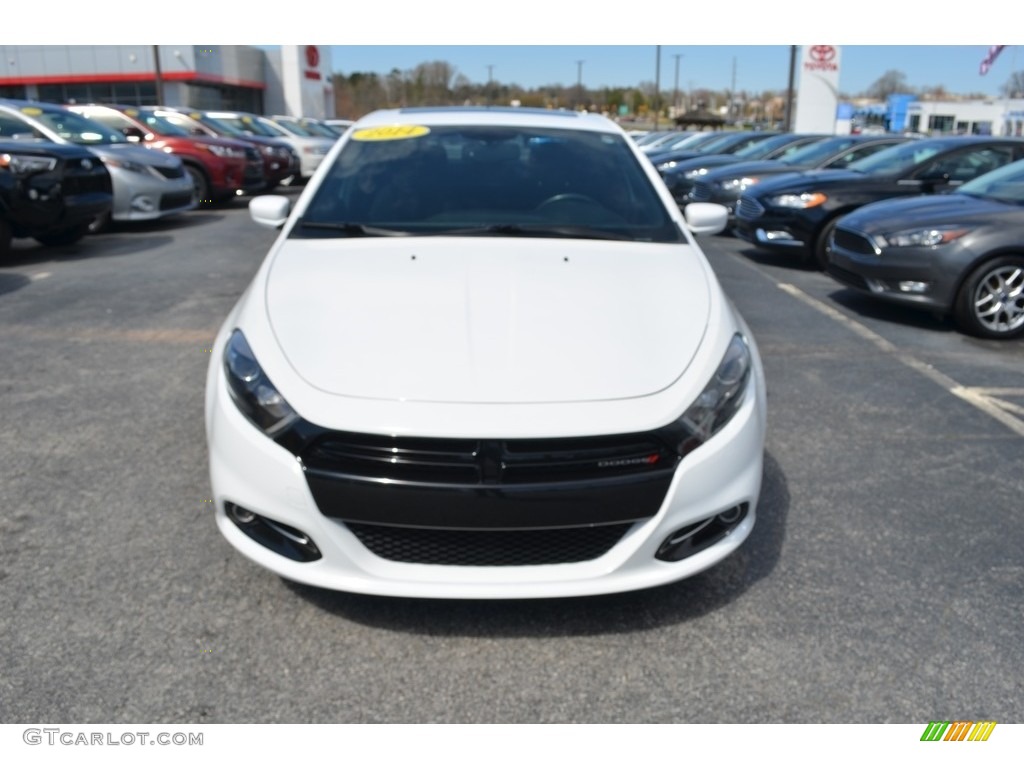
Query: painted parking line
pixel 989 401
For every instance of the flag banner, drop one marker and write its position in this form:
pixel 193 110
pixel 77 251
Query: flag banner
pixel 990 57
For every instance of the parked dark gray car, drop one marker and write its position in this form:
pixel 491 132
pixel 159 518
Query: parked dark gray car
pixel 960 253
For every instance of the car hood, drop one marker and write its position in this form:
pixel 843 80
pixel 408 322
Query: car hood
pixel 736 170
pixel 907 213
pixel 487 320
pixel 136 154
pixel 818 179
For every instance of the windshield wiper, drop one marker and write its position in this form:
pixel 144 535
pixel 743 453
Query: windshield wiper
pixel 534 230
pixel 350 228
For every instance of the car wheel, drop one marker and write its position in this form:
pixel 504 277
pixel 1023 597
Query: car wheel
pixel 5 239
pixel 65 236
pixel 200 184
pixel 821 245
pixel 990 303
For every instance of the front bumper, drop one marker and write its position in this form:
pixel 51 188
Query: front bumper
pixel 926 277
pixel 140 197
pixel 252 472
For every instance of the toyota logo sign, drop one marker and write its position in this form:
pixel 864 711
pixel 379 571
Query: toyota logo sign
pixel 312 56
pixel 823 53
pixel 821 58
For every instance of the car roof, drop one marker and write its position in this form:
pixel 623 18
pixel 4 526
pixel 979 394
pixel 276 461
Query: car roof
pixel 494 116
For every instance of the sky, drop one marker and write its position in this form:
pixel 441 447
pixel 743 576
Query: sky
pixel 757 67
pixel 540 42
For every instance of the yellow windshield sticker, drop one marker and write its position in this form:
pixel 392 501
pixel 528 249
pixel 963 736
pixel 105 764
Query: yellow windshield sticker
pixel 33 111
pixel 195 115
pixel 132 112
pixel 390 132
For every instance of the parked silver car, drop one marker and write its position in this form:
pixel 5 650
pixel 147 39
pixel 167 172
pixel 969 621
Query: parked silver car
pixel 147 184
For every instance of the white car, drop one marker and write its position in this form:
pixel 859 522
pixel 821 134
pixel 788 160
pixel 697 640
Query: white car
pixel 485 358
pixel 310 148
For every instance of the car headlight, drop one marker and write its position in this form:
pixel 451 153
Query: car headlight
pixel 721 398
pixel 253 393
pixel 26 165
pixel 694 173
pixel 666 166
pixel 801 200
pixel 220 151
pixel 737 185
pixel 124 165
pixel 926 236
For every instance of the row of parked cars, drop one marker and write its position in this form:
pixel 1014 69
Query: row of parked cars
pixel 69 170
pixel 933 223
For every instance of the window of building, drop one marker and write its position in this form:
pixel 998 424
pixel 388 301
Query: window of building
pixel 940 123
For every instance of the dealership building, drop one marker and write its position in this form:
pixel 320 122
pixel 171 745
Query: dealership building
pixel 288 79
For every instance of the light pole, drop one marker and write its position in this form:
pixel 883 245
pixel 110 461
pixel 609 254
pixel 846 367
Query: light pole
pixel 490 79
pixel 675 88
pixel 657 84
pixel 579 81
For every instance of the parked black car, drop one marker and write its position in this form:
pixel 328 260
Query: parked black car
pixel 681 176
pixel 724 185
pixel 959 254
pixel 797 212
pixel 50 192
pixel 726 143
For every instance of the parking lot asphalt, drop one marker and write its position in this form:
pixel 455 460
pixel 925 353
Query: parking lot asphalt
pixel 882 582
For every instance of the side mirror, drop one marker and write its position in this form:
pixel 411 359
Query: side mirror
pixel 270 211
pixel 133 134
pixel 706 218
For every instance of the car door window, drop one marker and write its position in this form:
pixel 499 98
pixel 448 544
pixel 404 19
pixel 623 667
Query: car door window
pixel 966 164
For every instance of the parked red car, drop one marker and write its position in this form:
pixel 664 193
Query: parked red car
pixel 220 168
pixel 280 162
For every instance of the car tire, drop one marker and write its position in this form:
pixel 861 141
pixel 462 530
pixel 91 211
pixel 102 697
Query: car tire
pixel 821 247
pixel 67 236
pixel 200 184
pixel 5 239
pixel 990 303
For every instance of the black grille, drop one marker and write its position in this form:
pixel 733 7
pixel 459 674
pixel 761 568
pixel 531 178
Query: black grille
pixel 490 462
pixel 81 181
pixel 177 172
pixel 175 200
pixel 853 242
pixel 701 192
pixel 488 548
pixel 846 277
pixel 749 208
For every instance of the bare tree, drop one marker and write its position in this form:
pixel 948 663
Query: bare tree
pixel 891 82
pixel 1014 87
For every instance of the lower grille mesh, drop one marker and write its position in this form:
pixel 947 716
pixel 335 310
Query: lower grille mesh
pixel 483 548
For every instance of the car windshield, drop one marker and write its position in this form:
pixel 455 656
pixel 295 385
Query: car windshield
pixel 487 180
pixel 814 154
pixel 295 127
pixel 159 124
pixel 897 160
pixel 1006 185
pixel 319 129
pixel 762 148
pixel 73 127
pixel 241 125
